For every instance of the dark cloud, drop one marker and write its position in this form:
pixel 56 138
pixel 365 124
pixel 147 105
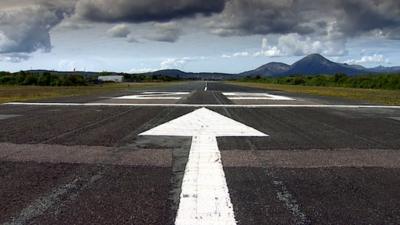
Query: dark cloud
pixel 247 17
pixel 359 16
pixel 26 29
pixel 352 17
pixel 25 25
pixel 145 10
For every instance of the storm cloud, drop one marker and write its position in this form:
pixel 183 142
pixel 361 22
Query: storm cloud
pixel 359 16
pixel 27 29
pixel 304 17
pixel 145 10
pixel 25 25
pixel 247 17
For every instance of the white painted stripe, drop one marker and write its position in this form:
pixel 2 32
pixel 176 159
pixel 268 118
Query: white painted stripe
pixel 136 97
pixel 44 104
pixel 155 96
pixel 7 116
pixel 166 93
pixel 243 94
pixel 255 96
pixel 258 98
pixel 204 198
pixel 206 87
pixel 203 105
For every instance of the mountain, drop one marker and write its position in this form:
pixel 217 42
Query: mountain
pixel 168 72
pixel 269 69
pixel 316 64
pixel 313 64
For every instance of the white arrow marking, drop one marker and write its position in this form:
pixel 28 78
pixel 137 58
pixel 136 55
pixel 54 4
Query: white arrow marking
pixel 205 197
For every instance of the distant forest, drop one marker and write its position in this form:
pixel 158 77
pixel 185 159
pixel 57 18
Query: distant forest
pixel 42 79
pixel 65 79
pixel 376 81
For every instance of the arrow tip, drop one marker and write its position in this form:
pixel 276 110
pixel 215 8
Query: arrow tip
pixel 203 122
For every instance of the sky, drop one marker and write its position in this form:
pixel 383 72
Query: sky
pixel 229 36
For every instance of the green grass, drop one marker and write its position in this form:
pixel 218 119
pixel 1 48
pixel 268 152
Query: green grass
pixel 26 93
pixel 373 96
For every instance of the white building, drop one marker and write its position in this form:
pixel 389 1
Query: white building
pixel 111 78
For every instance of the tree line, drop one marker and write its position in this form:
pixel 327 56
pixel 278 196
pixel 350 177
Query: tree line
pixel 42 79
pixel 145 77
pixel 376 81
pixel 76 79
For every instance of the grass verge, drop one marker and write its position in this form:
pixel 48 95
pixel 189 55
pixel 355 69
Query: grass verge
pixel 26 93
pixel 373 96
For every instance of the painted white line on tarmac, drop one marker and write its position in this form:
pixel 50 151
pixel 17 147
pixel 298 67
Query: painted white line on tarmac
pixel 166 93
pixel 155 96
pixel 206 87
pixel 255 96
pixel 7 116
pixel 204 198
pixel 203 105
pixel 136 97
pixel 258 98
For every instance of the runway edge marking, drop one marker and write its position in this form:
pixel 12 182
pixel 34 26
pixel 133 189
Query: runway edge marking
pixel 205 197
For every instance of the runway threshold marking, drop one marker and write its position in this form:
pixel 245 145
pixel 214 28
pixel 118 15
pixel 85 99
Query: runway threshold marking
pixel 155 96
pixel 255 96
pixel 205 197
pixel 203 105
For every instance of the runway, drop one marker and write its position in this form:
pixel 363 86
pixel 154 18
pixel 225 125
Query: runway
pixel 285 158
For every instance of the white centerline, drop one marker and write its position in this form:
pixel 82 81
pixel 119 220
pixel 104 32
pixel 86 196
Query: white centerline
pixel 204 198
pixel 203 105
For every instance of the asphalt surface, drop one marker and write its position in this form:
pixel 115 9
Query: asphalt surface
pixel 81 164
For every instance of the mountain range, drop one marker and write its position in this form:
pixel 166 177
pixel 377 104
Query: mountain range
pixel 315 64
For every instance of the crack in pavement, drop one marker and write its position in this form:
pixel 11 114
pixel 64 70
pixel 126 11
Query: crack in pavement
pixel 44 203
